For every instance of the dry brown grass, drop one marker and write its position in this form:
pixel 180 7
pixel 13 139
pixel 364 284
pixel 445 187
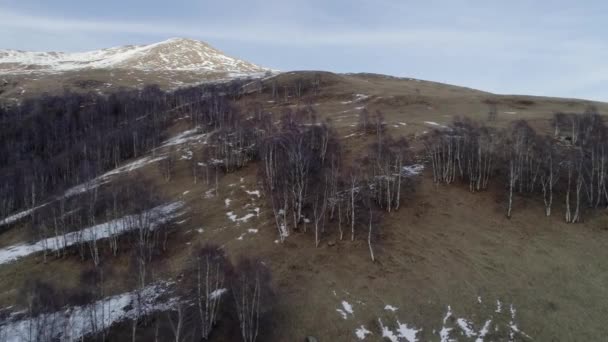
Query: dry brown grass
pixel 446 246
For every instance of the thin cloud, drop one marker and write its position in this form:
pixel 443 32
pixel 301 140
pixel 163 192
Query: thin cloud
pixel 275 35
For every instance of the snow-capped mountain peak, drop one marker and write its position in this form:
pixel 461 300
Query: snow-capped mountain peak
pixel 175 54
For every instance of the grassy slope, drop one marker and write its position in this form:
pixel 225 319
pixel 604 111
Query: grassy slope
pixel 446 246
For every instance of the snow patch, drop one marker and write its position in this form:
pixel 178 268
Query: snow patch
pixel 390 308
pixel 498 306
pixel 153 218
pixel 105 178
pixel 174 54
pixel 347 307
pixel 387 333
pixel 406 332
pixel 75 322
pixel 412 170
pixel 187 136
pixel 217 293
pixel 466 327
pixel 210 193
pixel 253 193
pixel 361 332
pixel 444 333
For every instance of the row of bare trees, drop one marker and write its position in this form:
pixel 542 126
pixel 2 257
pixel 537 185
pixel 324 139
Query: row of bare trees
pixel 307 184
pixel 571 164
pixel 213 291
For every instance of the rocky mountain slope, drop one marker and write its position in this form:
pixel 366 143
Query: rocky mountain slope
pixel 174 54
pixel 171 63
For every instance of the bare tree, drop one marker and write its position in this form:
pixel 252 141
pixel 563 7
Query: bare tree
pixel 250 282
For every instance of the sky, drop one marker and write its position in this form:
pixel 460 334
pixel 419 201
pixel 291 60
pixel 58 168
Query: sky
pixel 541 47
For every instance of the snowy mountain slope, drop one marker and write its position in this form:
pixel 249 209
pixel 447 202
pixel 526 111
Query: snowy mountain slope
pixel 176 54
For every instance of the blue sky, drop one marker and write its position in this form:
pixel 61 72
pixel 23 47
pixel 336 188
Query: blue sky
pixel 553 48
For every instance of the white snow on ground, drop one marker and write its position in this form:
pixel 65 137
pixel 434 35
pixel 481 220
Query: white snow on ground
pixel 73 323
pixel 234 218
pixel 402 123
pixel 465 326
pixel 20 215
pixel 253 193
pixel 444 334
pixel 175 54
pixel 402 332
pixel 252 231
pixel 498 306
pixel 412 170
pixel 347 307
pixel 187 155
pixel 406 332
pixel 153 217
pixel 432 123
pixel 217 293
pixel 361 332
pixel 484 331
pixel 187 136
pixel 387 333
pixel 358 98
pixel 511 113
pixel 245 218
pixel 227 201
pixel 210 193
pixel 105 178
pixel 452 328
pixel 231 216
pixel 513 327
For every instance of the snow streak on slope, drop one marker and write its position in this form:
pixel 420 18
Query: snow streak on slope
pixel 152 218
pixel 75 322
pixel 175 54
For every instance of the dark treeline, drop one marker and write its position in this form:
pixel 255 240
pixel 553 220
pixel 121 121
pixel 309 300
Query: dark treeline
pixel 52 142
pixel 570 166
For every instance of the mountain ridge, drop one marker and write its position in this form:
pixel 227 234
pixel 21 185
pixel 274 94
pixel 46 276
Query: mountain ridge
pixel 174 54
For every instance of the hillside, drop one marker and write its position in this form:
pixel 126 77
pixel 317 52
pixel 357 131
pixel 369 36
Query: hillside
pixel 169 64
pixel 448 262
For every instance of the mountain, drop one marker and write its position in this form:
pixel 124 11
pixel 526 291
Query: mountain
pixel 174 54
pixel 169 64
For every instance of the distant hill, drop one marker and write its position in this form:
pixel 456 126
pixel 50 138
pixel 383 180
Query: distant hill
pixel 176 54
pixel 171 63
